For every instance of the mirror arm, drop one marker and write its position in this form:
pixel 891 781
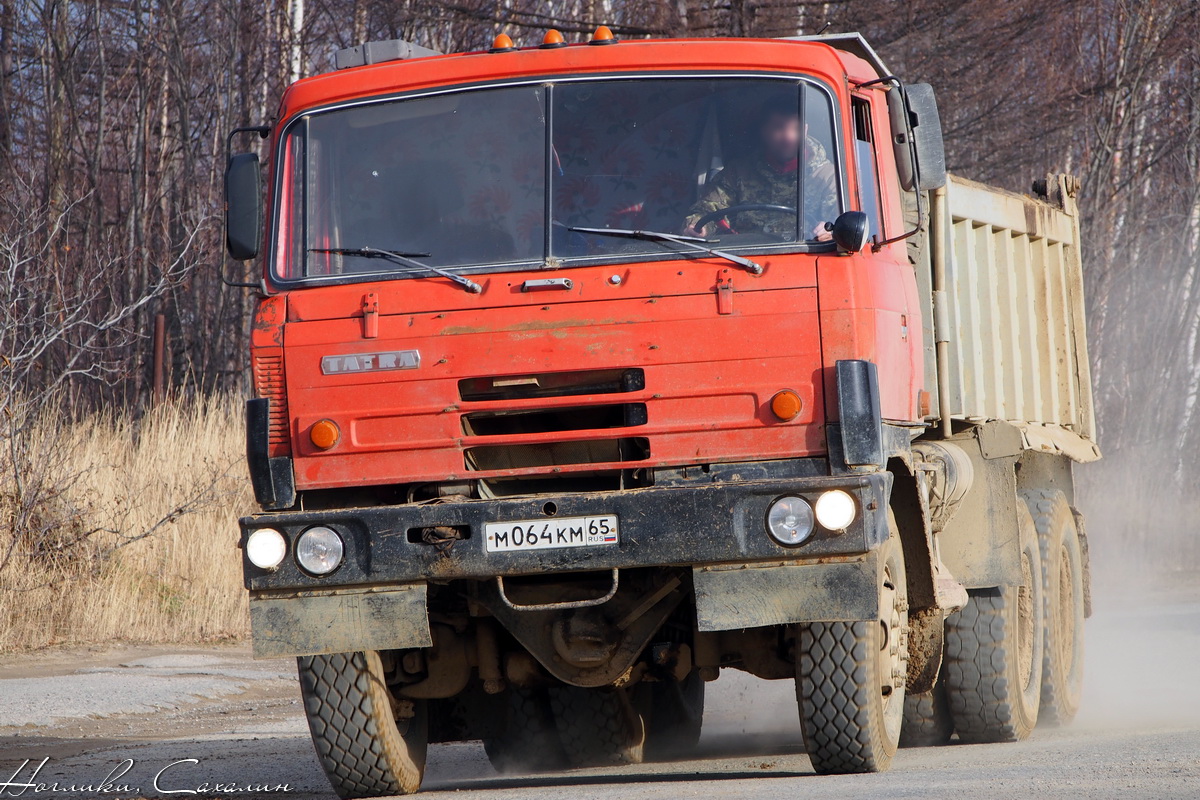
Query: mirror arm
pixel 263 132
pixel 877 246
pixel 877 81
pixel 237 284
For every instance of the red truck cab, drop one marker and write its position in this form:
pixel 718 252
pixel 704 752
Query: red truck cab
pixel 582 372
pixel 477 190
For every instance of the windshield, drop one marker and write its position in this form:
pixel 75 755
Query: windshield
pixel 496 178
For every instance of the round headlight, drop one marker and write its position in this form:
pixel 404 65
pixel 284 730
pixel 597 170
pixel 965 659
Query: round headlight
pixel 790 521
pixel 836 510
pixel 319 550
pixel 266 548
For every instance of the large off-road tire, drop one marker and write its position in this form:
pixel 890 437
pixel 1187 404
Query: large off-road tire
pixel 676 716
pixel 598 727
pixel 850 678
pixel 927 721
pixel 529 739
pixel 993 660
pixel 1062 587
pixel 365 750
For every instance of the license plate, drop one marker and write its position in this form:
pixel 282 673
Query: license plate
pixel 545 534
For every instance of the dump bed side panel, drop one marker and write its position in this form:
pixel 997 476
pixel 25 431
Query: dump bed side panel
pixel 1014 308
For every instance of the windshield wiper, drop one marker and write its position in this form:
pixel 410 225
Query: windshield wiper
pixel 404 260
pixel 694 242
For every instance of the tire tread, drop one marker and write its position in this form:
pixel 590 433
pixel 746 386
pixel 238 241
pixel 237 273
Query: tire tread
pixel 597 727
pixel 927 720
pixel 1050 510
pixel 359 756
pixel 840 732
pixel 530 741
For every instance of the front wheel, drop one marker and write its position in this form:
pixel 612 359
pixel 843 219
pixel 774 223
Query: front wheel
pixel 369 744
pixel 850 678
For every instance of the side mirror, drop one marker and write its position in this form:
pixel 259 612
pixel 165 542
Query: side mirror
pixel 851 231
pixel 927 136
pixel 901 145
pixel 243 206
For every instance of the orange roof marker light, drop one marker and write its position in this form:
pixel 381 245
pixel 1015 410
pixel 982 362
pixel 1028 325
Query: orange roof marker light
pixel 502 44
pixel 553 39
pixel 603 35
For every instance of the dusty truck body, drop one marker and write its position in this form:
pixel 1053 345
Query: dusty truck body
pixel 535 464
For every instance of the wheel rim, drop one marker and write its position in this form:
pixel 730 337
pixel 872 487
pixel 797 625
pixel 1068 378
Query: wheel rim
pixel 1025 622
pixel 893 651
pixel 1066 612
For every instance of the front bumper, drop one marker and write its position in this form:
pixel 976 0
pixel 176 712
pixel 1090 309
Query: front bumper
pixel 682 525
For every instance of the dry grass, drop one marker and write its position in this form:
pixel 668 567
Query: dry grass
pixel 141 543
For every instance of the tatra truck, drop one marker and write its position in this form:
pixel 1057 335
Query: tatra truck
pixel 583 371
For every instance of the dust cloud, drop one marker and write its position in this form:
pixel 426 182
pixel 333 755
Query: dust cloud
pixel 1142 644
pixel 1142 661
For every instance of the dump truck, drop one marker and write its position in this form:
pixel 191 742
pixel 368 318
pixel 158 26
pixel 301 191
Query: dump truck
pixel 583 371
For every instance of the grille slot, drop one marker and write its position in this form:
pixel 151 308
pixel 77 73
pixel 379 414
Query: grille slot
pixel 552 384
pixel 554 420
pixel 269 383
pixel 486 458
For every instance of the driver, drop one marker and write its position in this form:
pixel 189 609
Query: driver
pixel 768 175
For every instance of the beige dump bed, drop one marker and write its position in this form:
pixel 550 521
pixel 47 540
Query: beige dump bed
pixel 1012 312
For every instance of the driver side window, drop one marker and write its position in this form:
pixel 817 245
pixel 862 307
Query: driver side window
pixel 864 153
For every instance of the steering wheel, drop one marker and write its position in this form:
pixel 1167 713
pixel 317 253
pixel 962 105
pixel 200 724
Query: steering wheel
pixel 731 211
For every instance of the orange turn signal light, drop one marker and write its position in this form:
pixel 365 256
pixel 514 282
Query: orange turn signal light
pixel 553 39
pixel 324 434
pixel 786 405
pixel 923 404
pixel 502 44
pixel 603 35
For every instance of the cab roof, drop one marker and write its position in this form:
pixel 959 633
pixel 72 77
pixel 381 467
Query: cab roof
pixel 383 68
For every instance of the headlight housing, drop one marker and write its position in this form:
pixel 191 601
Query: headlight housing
pixel 790 521
pixel 265 548
pixel 836 510
pixel 319 550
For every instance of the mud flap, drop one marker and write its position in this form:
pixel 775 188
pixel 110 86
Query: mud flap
pixel 731 597
pixel 339 621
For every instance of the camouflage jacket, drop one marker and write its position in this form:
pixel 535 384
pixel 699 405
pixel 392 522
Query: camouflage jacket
pixel 753 180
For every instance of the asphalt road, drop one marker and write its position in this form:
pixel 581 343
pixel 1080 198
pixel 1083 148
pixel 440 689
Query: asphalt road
pixel 213 722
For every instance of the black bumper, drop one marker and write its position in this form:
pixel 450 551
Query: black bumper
pixel 661 526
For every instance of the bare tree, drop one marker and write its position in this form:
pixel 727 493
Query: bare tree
pixel 52 336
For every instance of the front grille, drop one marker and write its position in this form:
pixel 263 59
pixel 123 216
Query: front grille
pixel 556 454
pixel 554 420
pixel 269 383
pixel 552 384
pixel 523 436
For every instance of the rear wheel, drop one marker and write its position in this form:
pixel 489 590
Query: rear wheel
pixel 598 727
pixel 676 716
pixel 993 662
pixel 1062 585
pixel 369 744
pixel 927 721
pixel 850 678
pixel 529 738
